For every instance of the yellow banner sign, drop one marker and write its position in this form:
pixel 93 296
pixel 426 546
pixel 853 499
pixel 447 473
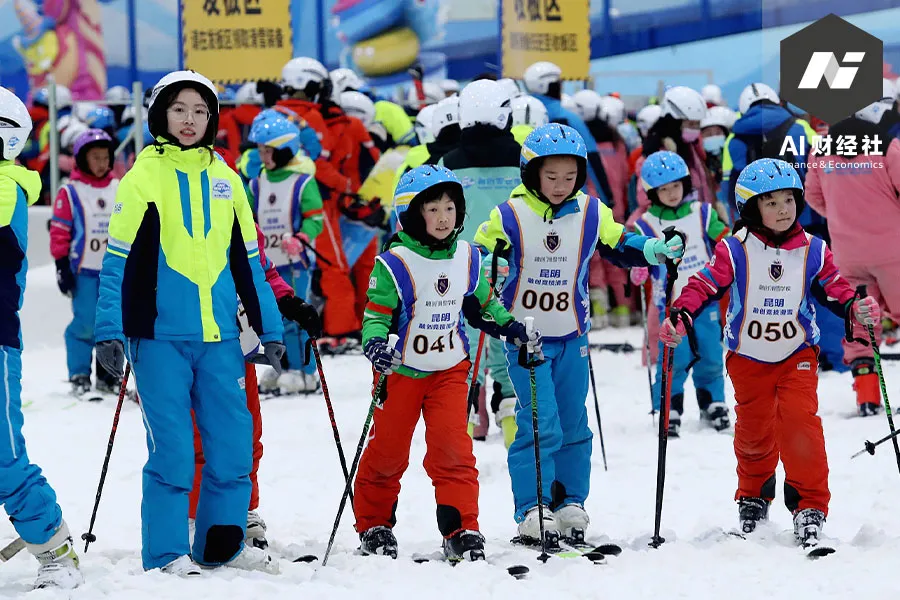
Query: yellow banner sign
pixel 233 41
pixel 555 30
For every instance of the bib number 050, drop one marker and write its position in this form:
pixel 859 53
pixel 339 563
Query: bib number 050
pixel 773 331
pixel 547 301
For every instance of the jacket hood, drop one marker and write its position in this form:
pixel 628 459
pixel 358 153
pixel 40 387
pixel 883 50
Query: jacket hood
pixel 761 117
pixel 189 158
pixel 98 182
pixel 29 181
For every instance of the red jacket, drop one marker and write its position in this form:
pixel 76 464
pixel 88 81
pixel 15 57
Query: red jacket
pixel 326 173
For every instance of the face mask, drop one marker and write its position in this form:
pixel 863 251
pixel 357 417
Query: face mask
pixel 690 135
pixel 714 143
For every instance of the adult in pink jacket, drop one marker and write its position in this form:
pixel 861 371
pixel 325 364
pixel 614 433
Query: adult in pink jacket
pixel 858 195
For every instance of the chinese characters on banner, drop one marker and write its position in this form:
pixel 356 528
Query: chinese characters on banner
pixel 232 41
pixel 555 30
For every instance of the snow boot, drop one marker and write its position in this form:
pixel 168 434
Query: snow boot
pixel 717 416
pixel 572 521
pixel 81 384
pixel 58 561
pixel 464 545
pixel 183 566
pixel 867 386
pixel 808 524
pixel 254 559
pixel 378 540
pixel 256 531
pixel 751 511
pixel 530 527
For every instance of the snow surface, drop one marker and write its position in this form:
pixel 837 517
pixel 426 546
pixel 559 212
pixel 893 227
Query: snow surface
pixel 301 485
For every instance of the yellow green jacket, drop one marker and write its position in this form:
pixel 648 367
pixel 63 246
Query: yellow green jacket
pixel 182 248
pixel 520 132
pixel 396 122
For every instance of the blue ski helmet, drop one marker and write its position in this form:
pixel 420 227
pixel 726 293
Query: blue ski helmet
pixel 552 139
pixel 101 117
pixel 276 132
pixel 410 194
pixel 763 176
pixel 661 168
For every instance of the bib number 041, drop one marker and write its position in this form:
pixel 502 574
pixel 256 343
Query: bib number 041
pixel 421 346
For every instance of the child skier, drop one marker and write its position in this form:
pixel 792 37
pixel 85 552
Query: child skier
pixel 26 496
pixel 417 290
pixel 667 181
pixel 78 234
pixel 772 269
pixel 552 229
pixel 288 208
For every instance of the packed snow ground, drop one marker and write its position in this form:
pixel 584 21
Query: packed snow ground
pixel 301 484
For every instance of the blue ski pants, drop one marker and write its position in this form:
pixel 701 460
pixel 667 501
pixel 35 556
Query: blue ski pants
pixel 79 334
pixel 208 378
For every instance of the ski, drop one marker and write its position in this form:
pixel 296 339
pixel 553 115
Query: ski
pixel 560 549
pixel 11 549
pixel 814 551
pixel 517 571
pixel 623 348
pixel 607 549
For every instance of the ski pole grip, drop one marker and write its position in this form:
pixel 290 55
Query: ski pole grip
pixel 529 325
pixel 861 291
pixel 393 339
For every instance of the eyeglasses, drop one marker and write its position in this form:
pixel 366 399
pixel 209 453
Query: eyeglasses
pixel 181 113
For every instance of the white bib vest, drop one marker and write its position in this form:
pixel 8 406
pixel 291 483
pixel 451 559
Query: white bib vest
pixel 772 317
pixel 431 292
pixel 551 260
pixel 91 207
pixel 274 212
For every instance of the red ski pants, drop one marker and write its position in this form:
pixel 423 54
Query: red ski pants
pixel 441 398
pixel 252 389
pixel 776 417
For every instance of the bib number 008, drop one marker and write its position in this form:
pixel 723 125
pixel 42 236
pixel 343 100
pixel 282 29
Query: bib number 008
pixel 420 343
pixel 547 301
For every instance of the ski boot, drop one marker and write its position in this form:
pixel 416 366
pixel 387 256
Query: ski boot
pixel 676 409
pixel 268 383
pixel 256 531
pixel 504 415
pixel 717 416
pixel 81 385
pixel 378 540
pixel 311 383
pixel 464 545
pixel 254 559
pixel 58 561
pixel 620 317
pixel 599 308
pixel 572 521
pixel 808 524
pixel 182 566
pixel 867 386
pixel 530 527
pixel 751 511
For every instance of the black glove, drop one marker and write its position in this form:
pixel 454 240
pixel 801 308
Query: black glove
pixel 417 72
pixel 383 358
pixel 531 352
pixel 65 278
pixel 302 313
pixel 111 356
pixel 274 351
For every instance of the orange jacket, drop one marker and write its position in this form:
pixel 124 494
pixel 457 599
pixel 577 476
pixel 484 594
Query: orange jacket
pixel 351 139
pixel 326 173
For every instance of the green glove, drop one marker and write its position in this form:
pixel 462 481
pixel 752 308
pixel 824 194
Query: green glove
pixel 502 270
pixel 657 251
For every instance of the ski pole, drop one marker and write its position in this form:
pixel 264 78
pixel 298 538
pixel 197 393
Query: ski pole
pixel 597 408
pixel 647 344
pixel 529 327
pixel 870 329
pixel 392 342
pixel 870 446
pixel 666 392
pixel 334 427
pixel 89 537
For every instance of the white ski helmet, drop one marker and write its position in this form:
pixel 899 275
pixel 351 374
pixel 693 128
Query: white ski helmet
pixel 433 94
pixel 303 74
pixel 568 103
pixel 128 114
pixel 446 113
pixel 486 102
pixel 424 123
pixel 712 94
pixel 118 93
pixel 511 87
pixel 682 102
pixel 357 104
pixel 178 80
pixel 528 110
pixel 647 118
pixel 540 75
pixel 873 112
pixel 754 93
pixel 73 129
pixel 588 105
pixel 15 125
pixel 346 79
pixel 719 115
pixel 81 110
pixel 247 94
pixel 612 110
pixel 450 86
